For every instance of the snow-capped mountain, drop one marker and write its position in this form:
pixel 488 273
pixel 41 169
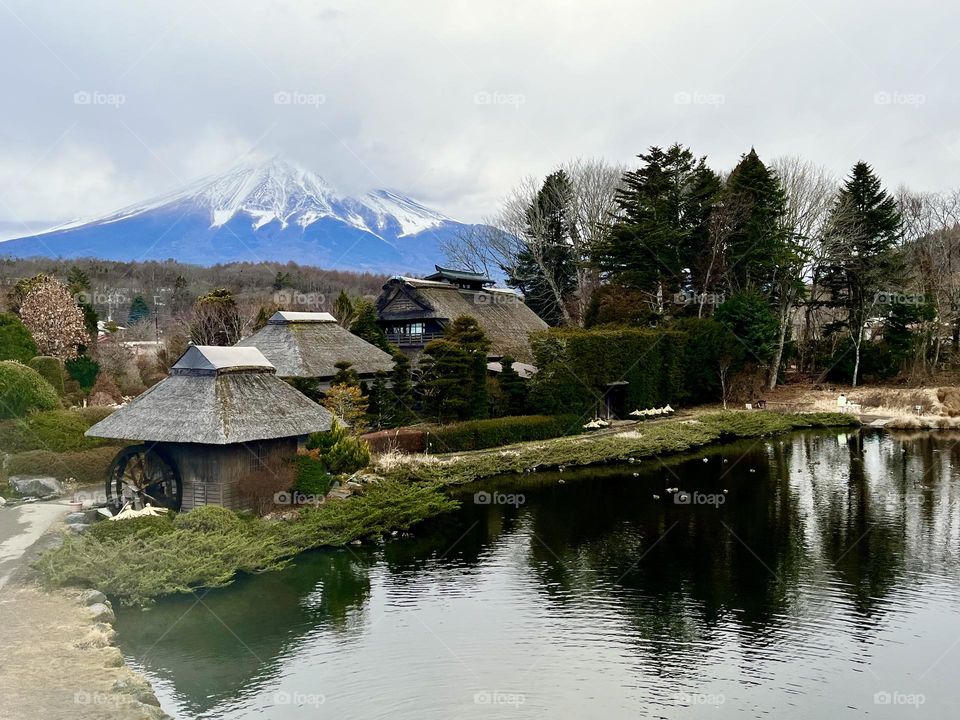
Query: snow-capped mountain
pixel 266 211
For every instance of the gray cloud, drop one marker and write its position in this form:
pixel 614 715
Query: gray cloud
pixel 107 103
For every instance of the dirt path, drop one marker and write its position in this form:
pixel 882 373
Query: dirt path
pixel 57 660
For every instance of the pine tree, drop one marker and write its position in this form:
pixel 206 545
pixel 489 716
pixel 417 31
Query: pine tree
pixel 447 381
pixel 545 270
pixel 513 386
pixel 365 325
pixel 760 243
pixel 663 224
pixel 862 235
pixel 378 409
pixel 467 334
pixel 139 310
pixel 401 390
pixel 343 309
pixel 345 374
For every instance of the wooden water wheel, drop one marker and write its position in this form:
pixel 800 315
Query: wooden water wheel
pixel 141 474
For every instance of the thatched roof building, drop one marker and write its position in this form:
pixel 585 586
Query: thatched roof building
pixel 216 396
pixel 413 312
pixel 220 415
pixel 309 344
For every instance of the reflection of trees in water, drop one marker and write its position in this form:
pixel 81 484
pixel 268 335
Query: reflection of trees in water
pixel 213 648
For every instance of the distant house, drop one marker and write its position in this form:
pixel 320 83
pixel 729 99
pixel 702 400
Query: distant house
pixel 307 345
pixel 413 312
pixel 221 414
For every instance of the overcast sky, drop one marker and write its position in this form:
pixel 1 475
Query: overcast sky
pixel 107 103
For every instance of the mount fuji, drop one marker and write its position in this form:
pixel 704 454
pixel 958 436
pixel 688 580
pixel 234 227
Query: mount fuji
pixel 273 211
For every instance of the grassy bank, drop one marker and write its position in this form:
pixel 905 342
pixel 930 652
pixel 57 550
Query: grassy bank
pixel 137 561
pixel 645 441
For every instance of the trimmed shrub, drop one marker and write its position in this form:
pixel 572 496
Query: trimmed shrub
pixel 54 430
pixel 23 389
pixel 51 369
pixel 142 528
pixel 208 518
pixel 16 342
pixel 84 370
pixel 87 467
pixel 312 475
pixel 480 434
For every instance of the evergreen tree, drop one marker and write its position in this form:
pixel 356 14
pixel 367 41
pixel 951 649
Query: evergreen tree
pixel 760 243
pixel 365 325
pixel 863 230
pixel 513 386
pixel 343 309
pixel 139 310
pixel 466 332
pixel 401 390
pixel 16 342
pixel 748 316
pixel 180 301
pixel 345 374
pixel 378 409
pixel 545 270
pixel 77 281
pixel 663 224
pixel 447 381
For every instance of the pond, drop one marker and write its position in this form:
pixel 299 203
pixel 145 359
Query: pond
pixel 815 575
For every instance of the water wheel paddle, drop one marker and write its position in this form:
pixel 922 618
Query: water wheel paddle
pixel 141 474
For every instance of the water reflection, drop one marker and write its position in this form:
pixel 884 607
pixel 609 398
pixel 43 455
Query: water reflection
pixel 825 573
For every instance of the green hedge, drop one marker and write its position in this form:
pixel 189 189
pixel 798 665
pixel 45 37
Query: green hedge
pixel 480 434
pixel 312 476
pixel 23 390
pixel 53 430
pixel 51 369
pixel 87 467
pixel 676 365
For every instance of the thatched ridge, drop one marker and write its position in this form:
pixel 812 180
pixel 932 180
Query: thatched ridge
pixel 216 396
pixel 308 345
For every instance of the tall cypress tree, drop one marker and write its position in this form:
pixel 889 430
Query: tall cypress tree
pixel 401 390
pixel 863 231
pixel 760 242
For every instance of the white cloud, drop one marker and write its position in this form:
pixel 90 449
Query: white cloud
pixel 456 101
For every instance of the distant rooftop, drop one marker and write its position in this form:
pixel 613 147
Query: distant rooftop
pixel 452 275
pixel 283 317
pixel 213 359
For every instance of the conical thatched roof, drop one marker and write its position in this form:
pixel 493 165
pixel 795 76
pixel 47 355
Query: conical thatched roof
pixel 308 345
pixel 216 396
pixel 505 318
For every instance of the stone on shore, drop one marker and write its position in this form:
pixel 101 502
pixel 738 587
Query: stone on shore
pixel 92 597
pixel 101 612
pixel 38 486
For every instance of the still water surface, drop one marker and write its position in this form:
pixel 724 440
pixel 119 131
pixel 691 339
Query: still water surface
pixel 826 585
